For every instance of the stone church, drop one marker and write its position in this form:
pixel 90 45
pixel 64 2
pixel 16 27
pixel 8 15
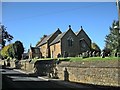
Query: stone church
pixel 64 44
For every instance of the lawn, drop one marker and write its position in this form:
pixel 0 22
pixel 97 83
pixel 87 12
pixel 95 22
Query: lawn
pixel 93 58
pixel 88 59
pixel 80 59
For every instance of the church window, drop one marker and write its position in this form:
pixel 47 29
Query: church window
pixel 70 41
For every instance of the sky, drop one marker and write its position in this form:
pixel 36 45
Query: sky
pixel 29 21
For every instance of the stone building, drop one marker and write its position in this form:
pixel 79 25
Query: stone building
pixel 34 52
pixel 44 43
pixel 66 44
pixel 84 42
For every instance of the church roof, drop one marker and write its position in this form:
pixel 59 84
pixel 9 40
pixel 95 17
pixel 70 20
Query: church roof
pixel 45 39
pixel 58 38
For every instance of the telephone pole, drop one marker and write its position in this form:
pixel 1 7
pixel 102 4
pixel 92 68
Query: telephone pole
pixel 1 36
pixel 118 8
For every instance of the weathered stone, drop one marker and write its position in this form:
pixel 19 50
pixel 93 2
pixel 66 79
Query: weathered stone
pixel 100 74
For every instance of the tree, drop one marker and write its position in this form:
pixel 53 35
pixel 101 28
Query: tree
pixel 11 51
pixel 107 51
pixel 5 35
pixel 18 50
pixel 4 52
pixel 95 47
pixel 41 39
pixel 112 40
pixel 14 50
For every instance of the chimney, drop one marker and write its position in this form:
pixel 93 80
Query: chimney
pixel 44 36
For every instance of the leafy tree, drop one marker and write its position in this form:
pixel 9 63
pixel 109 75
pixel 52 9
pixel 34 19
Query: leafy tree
pixel 4 51
pixel 18 49
pixel 41 39
pixel 112 40
pixel 14 50
pixel 11 51
pixel 5 35
pixel 107 51
pixel 95 47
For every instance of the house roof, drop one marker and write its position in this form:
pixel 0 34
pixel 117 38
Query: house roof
pixel 44 40
pixel 33 49
pixel 76 33
pixel 81 30
pixel 58 38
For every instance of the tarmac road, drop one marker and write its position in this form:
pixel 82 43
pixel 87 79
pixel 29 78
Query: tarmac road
pixel 14 79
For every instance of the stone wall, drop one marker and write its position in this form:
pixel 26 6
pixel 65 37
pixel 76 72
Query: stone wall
pixel 55 50
pixel 91 72
pixel 39 67
pixel 43 50
pixel 12 64
pixel 27 66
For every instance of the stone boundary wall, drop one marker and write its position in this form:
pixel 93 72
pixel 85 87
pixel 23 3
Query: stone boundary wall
pixel 91 72
pixel 24 65
pixel 27 66
pixel 37 67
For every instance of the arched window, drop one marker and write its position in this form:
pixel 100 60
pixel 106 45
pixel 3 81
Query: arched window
pixel 70 41
pixel 83 45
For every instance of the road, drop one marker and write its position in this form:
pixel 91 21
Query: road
pixel 12 79
pixel 15 79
